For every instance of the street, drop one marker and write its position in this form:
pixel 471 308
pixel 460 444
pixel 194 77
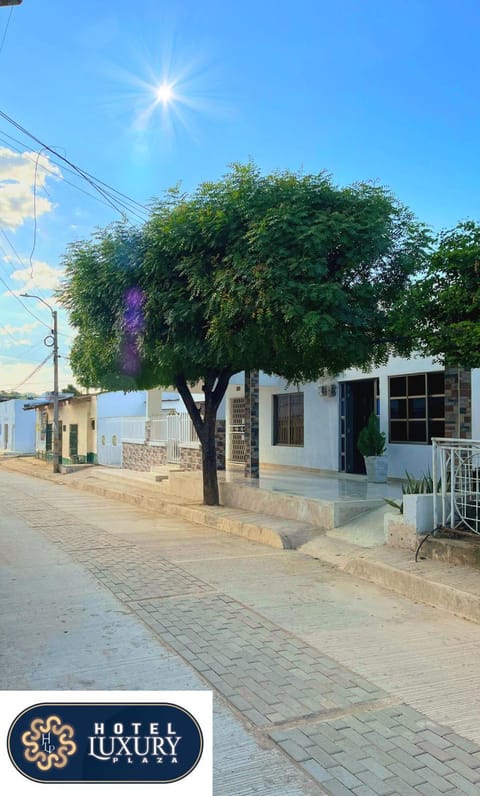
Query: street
pixel 322 683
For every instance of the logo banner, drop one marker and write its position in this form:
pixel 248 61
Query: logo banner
pixel 106 738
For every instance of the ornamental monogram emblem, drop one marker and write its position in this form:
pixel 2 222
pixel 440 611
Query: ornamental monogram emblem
pixel 49 743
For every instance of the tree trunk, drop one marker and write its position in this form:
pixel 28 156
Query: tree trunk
pixel 209 463
pixel 214 388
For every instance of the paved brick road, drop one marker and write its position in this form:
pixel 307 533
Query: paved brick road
pixel 343 731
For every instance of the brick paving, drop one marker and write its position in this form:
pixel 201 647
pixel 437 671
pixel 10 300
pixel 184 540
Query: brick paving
pixel 342 730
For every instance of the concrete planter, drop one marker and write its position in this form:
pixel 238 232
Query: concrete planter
pixel 418 511
pixel 377 469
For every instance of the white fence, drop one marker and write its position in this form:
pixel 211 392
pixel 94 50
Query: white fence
pixel 168 430
pixel 456 479
pixel 172 431
pixel 111 432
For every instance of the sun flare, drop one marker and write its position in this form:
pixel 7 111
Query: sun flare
pixel 164 93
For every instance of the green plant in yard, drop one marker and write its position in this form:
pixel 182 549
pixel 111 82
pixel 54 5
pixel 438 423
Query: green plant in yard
pixel 371 441
pixel 414 486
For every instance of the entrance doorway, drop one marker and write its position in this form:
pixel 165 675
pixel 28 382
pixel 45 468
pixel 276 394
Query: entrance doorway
pixel 358 399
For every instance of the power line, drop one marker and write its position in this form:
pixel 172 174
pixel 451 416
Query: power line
pixel 27 309
pixel 6 29
pixel 100 186
pixel 49 356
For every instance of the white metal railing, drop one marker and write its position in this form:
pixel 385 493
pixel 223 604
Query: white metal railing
pixel 456 480
pixel 173 430
pixel 133 428
pixel 159 429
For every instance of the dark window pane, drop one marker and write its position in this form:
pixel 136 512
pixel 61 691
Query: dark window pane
pixel 398 431
pixel 436 428
pixel 398 408
pixel 288 419
pixel 436 383
pixel 416 384
pixel 398 386
pixel 417 431
pixel 416 408
pixel 436 408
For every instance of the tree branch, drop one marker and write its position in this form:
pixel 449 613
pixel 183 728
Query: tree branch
pixel 193 411
pixel 220 387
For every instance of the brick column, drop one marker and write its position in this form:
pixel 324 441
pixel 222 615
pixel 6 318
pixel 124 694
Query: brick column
pixel 458 403
pixel 220 434
pixel 252 463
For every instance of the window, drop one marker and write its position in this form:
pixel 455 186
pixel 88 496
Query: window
pixel 417 407
pixel 73 440
pixel 288 419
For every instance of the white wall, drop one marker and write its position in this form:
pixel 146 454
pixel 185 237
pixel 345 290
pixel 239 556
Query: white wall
pixel 415 458
pixel 320 448
pixel 476 403
pixel 120 404
pixel 21 426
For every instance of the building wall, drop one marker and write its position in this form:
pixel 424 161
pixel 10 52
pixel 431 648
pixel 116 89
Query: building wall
pixel 476 403
pixel 416 459
pixel 81 413
pixel 321 429
pixel 21 426
pixel 120 404
pixel 320 448
pixel 141 457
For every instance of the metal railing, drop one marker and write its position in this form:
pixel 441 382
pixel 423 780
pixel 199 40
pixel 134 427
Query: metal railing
pixel 133 428
pixel 173 430
pixel 456 481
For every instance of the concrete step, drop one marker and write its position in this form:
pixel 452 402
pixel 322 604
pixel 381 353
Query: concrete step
pixel 166 469
pixel 112 473
pixel 453 588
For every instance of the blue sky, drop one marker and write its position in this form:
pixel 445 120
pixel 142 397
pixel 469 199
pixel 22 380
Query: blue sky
pixel 367 89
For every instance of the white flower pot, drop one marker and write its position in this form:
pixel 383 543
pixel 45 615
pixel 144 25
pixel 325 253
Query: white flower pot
pixel 377 468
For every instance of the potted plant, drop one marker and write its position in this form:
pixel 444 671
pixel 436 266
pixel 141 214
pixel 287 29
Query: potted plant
pixel 371 444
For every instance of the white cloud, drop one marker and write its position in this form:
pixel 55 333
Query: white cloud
pixel 13 373
pixel 45 276
pixel 17 180
pixel 8 334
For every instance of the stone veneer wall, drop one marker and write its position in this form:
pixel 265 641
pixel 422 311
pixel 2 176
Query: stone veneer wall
pixel 220 439
pixel 190 458
pixel 138 456
pixel 252 459
pixel 458 403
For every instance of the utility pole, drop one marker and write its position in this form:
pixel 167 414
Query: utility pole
pixel 56 425
pixel 53 344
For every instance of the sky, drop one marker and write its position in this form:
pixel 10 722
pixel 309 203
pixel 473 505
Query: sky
pixel 384 90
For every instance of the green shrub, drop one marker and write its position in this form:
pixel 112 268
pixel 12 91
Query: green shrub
pixel 371 441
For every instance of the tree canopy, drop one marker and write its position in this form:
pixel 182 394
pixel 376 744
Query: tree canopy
pixel 442 309
pixel 285 273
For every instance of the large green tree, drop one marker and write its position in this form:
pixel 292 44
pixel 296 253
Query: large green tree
pixel 286 273
pixel 441 310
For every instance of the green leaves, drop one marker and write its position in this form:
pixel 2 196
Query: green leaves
pixel 285 272
pixel 441 312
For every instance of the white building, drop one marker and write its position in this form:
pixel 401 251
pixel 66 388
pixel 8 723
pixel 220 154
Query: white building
pixel 316 425
pixel 17 427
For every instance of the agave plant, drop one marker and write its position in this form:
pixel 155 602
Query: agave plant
pixel 415 486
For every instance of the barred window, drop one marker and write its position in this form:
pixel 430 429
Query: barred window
pixel 288 419
pixel 417 407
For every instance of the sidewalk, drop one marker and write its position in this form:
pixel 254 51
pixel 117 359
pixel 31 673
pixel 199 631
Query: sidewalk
pixel 362 691
pixel 442 585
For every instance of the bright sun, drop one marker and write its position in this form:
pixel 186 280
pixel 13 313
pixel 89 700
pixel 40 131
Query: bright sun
pixel 164 93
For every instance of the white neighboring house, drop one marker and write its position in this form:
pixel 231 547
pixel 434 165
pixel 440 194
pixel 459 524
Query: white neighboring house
pixel 316 425
pixel 122 419
pixel 17 427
